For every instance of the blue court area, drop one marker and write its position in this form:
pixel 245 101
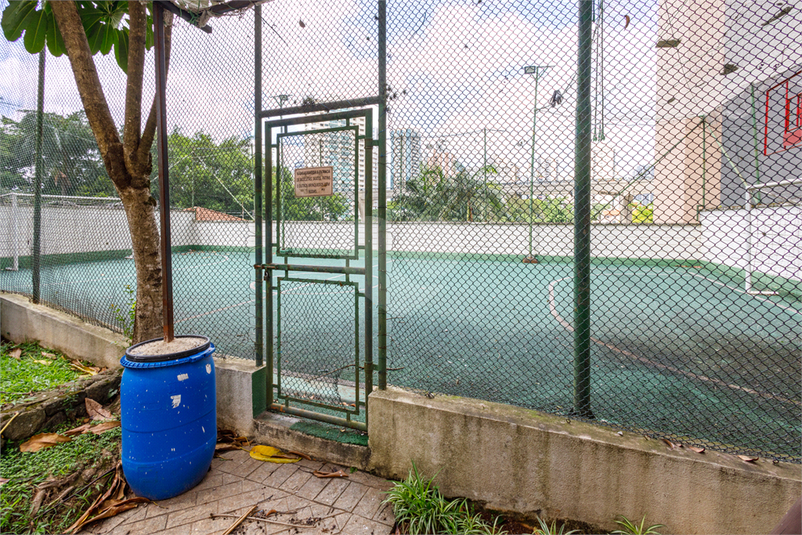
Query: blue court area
pixel 678 350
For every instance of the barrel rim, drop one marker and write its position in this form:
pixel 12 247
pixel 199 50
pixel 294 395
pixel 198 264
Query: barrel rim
pixel 169 356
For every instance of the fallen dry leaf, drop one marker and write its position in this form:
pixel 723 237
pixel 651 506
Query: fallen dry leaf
pixel 96 411
pixel 91 370
pixel 41 441
pixel 80 430
pixel 49 355
pixel 3 481
pixel 748 459
pixel 301 455
pixel 668 443
pixel 15 353
pixel 697 450
pixel 44 362
pixel 272 455
pixel 338 473
pixel 105 426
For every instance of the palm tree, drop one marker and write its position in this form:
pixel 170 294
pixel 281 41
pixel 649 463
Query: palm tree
pixel 433 196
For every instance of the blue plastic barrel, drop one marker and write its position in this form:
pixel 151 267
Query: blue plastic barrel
pixel 169 420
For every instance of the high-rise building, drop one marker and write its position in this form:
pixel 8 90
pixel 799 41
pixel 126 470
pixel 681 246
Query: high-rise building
pixel 336 149
pixel 406 157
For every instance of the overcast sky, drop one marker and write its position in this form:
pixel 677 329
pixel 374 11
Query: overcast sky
pixel 455 67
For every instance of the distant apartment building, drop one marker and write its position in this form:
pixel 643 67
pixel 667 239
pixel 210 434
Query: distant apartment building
pixel 405 150
pixel 337 149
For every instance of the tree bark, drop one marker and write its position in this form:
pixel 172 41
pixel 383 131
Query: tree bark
pixel 127 165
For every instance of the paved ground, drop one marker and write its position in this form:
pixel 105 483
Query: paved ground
pixel 309 505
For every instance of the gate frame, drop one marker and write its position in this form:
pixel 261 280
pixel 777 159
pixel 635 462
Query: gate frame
pixel 270 266
pixel 259 115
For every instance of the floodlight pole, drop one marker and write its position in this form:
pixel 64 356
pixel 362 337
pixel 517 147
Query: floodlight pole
pixel 164 186
pixel 538 71
pixel 582 199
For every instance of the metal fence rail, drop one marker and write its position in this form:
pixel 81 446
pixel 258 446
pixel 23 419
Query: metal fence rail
pixel 592 208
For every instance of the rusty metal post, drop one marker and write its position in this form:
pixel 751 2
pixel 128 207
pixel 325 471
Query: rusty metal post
pixel 164 185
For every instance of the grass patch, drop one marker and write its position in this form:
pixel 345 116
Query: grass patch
pixel 87 455
pixel 419 508
pixel 33 372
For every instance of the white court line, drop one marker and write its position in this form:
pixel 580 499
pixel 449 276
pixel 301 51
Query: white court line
pixel 570 328
pixel 792 310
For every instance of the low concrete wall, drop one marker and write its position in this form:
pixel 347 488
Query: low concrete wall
pixel 522 461
pixel 21 320
pixel 240 390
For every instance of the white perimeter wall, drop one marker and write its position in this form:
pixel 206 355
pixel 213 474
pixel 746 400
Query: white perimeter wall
pixel 722 236
pixel 776 239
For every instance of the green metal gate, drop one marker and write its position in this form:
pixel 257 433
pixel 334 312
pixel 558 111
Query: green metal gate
pixel 319 269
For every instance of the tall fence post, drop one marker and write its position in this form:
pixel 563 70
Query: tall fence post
pixel 257 177
pixel 37 192
pixel 382 356
pixel 582 200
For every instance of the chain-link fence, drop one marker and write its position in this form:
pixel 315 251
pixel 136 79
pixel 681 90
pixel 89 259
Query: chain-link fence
pixel 85 258
pixel 694 277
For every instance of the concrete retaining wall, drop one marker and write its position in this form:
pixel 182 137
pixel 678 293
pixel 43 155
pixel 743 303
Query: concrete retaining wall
pixel 21 320
pixel 508 458
pixel 240 391
pixel 513 459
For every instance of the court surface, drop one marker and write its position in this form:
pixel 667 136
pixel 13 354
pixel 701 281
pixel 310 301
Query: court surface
pixel 677 349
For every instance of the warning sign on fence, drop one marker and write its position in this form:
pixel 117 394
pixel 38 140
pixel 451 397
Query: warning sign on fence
pixel 314 181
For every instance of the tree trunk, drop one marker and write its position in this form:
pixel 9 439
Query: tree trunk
pixel 140 210
pixel 127 161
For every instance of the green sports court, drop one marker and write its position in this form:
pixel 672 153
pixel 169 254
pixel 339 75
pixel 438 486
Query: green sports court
pixel 675 345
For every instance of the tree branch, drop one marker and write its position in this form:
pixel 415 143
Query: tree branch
pixel 92 96
pixel 133 92
pixel 150 126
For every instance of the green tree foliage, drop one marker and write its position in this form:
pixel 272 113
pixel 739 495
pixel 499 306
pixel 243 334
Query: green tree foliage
pixel 433 196
pixel 218 176
pixel 333 208
pixel 549 210
pixel 103 23
pixel 70 156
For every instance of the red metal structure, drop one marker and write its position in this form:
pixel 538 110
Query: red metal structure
pixel 792 120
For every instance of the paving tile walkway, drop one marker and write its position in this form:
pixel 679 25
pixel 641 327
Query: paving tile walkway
pixel 236 482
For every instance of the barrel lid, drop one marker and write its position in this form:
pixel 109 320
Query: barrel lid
pixel 135 353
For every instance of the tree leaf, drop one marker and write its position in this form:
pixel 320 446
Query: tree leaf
pixel 121 49
pixel 35 32
pixel 748 458
pixel 55 42
pixel 49 355
pixel 43 362
pixel 105 426
pixel 338 473
pixel 15 18
pixel 109 38
pixel 3 481
pixel 96 410
pixel 272 455
pixel 15 353
pixel 41 441
pixel 697 450
pixel 80 430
